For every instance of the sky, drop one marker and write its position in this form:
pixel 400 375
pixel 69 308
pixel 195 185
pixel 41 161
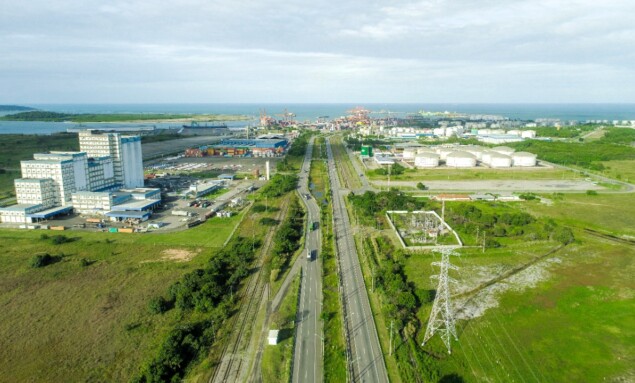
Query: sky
pixel 318 51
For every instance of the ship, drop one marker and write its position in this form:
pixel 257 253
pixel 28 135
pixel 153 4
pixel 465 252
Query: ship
pixel 196 125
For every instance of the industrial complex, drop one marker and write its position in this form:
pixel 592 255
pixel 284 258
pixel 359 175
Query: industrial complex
pixel 452 156
pixel 268 146
pixel 105 177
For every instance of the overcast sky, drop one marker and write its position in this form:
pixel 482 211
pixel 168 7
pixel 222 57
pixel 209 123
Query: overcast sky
pixel 90 51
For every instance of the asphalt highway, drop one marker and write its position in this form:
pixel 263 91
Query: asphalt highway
pixel 366 361
pixel 307 364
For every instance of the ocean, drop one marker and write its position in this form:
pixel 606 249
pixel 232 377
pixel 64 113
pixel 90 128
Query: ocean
pixel 304 112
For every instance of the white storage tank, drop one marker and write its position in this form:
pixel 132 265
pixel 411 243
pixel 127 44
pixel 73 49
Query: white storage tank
pixel 476 151
pixel 409 154
pixel 486 157
pixel 514 132
pixel 506 150
pixel 443 152
pixel 524 159
pixel 427 160
pixel 528 134
pixel 459 159
pixel 425 151
pixel 498 160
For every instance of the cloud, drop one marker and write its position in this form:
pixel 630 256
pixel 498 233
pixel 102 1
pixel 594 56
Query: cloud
pixel 322 51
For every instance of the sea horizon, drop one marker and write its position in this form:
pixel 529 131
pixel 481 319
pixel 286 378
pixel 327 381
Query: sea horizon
pixel 311 111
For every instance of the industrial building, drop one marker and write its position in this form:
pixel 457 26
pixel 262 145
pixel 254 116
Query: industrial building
pixel 52 182
pixel 241 147
pixel 204 188
pixel 132 204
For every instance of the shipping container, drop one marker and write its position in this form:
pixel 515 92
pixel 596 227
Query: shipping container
pixel 126 230
pixel 57 228
pixel 112 230
pixel 93 220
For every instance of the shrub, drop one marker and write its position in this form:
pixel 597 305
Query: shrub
pixel 44 236
pixel 268 221
pixel 591 192
pixel 42 260
pixel 421 186
pixel 60 239
pixel 158 305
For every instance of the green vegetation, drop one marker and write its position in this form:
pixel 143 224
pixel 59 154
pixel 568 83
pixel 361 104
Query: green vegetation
pixel 400 302
pixel 206 290
pixel 279 185
pixel 295 155
pixel 42 260
pixel 114 117
pixel 475 174
pixel 287 239
pixel 564 132
pixel 276 360
pixel 370 205
pixel 348 175
pixel 11 108
pixel 613 146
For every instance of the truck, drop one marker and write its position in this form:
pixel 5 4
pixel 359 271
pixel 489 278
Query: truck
pixel 309 253
pixel 315 225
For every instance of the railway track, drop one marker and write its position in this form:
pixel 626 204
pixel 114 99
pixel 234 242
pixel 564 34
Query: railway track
pixel 232 361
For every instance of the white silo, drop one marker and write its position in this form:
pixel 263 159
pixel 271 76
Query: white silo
pixel 528 134
pixel 409 154
pixel 506 150
pixel 498 160
pixel 427 160
pixel 460 159
pixel 524 159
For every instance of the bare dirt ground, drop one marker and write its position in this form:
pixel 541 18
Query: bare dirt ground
pixel 179 255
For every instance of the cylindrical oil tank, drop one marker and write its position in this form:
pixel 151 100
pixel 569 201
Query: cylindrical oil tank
pixel 498 160
pixel 486 157
pixel 476 151
pixel 506 150
pixel 528 134
pixel 409 154
pixel 524 159
pixel 425 151
pixel 459 159
pixel 427 160
pixel 443 152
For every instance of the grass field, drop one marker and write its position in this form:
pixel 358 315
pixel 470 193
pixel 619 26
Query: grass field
pixel 68 322
pixel 348 177
pixel 621 170
pixel 276 360
pixel 605 212
pixel 540 173
pixel 567 318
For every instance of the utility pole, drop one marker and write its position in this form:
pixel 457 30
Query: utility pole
pixel 442 318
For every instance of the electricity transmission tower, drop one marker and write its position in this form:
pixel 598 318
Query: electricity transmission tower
pixel 442 318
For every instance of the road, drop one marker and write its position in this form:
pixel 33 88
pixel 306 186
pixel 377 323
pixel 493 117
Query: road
pixel 307 360
pixel 366 361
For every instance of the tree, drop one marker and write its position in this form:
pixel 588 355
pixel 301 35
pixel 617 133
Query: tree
pixel 421 186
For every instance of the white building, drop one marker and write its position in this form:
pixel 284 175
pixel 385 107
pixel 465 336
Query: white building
pixel 50 180
pixel 35 191
pixel 125 152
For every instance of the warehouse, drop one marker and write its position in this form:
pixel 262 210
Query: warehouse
pixel 247 147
